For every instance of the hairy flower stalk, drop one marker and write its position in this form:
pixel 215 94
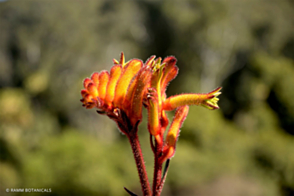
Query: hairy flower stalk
pixel 128 87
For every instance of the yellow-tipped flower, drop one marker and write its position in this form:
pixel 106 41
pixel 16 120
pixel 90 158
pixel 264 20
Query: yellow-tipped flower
pixel 207 100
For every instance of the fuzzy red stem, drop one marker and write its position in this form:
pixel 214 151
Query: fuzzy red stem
pixel 160 186
pixel 157 169
pixel 156 177
pixel 135 144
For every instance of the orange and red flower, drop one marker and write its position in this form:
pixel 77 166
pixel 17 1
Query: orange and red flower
pixel 129 86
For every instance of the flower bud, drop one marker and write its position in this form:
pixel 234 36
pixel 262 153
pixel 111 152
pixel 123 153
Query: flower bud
pixel 115 74
pixel 128 74
pixel 103 81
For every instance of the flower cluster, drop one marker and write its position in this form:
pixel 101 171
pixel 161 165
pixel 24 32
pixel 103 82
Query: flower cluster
pixel 132 84
pixel 129 86
pixel 158 104
pixel 118 94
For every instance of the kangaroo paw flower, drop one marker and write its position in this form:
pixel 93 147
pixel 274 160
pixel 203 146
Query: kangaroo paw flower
pixel 115 74
pixel 129 72
pixel 207 100
pixel 144 77
pixel 173 133
pixel 121 93
pixel 153 112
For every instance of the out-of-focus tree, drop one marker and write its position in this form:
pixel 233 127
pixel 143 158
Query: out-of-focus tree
pixel 48 140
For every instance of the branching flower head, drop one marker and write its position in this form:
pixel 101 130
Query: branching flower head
pixel 121 94
pixel 157 104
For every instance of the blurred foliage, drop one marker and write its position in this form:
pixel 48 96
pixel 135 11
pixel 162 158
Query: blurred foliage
pixel 47 140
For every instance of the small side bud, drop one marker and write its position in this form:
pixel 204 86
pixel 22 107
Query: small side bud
pixel 153 112
pixel 173 132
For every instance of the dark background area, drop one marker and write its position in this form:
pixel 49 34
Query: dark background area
pixel 48 140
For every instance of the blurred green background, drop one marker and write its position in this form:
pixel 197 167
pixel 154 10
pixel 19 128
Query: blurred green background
pixel 48 140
